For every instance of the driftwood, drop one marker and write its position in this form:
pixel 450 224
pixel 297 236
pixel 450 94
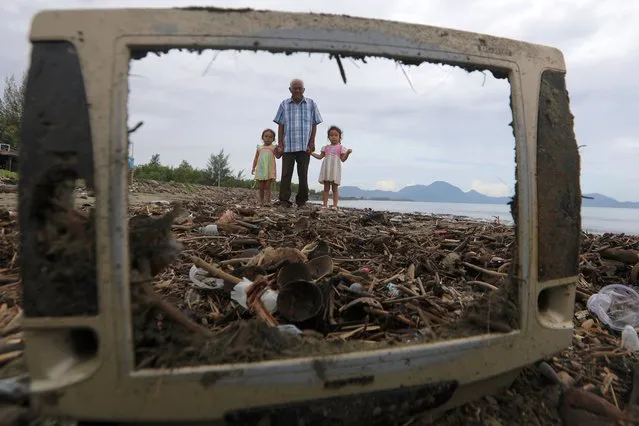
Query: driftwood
pixel 629 257
pixel 426 272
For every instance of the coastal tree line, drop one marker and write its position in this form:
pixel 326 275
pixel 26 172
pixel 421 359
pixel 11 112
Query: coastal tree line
pixel 11 107
pixel 217 171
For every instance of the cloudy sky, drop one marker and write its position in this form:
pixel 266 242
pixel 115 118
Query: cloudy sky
pixel 405 126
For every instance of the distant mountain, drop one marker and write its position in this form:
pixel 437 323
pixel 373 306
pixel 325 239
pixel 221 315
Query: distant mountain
pixel 600 200
pixel 444 192
pixel 438 192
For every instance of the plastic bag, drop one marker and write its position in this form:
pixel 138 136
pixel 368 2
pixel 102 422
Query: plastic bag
pixel 289 328
pixel 629 339
pixel 269 298
pixel 201 279
pixel 616 305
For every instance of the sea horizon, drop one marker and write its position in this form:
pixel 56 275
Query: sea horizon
pixel 595 220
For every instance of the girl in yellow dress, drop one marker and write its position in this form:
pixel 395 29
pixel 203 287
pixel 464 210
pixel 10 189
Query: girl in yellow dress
pixel 264 166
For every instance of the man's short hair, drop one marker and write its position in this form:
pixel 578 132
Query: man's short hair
pixel 294 80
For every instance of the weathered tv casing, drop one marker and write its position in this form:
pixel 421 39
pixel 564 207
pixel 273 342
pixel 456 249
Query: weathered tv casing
pixel 75 122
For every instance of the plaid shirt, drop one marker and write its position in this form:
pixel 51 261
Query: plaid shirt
pixel 298 120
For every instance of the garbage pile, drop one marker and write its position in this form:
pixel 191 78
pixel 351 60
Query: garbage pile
pixel 364 277
pixel 257 284
pixel 359 279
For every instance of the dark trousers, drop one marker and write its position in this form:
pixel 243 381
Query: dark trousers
pixel 289 160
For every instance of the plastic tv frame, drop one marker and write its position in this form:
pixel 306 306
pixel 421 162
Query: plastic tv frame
pixel 79 349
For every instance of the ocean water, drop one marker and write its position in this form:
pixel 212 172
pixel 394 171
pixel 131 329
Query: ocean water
pixel 596 220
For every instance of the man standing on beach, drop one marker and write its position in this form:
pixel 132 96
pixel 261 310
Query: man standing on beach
pixel 297 119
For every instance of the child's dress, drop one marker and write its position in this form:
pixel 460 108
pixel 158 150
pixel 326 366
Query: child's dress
pixel 331 170
pixel 265 168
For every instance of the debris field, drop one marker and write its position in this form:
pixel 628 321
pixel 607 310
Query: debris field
pixel 251 284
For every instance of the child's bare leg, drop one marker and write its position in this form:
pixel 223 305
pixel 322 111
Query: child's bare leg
pixel 261 192
pixel 335 194
pixel 267 192
pixel 327 187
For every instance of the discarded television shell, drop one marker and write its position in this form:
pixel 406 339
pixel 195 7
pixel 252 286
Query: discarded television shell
pixel 75 125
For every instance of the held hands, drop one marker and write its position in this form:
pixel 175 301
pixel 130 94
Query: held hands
pixel 311 147
pixel 278 152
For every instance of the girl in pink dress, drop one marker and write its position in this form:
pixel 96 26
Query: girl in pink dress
pixel 333 156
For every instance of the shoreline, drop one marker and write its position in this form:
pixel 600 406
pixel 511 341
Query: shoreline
pixel 470 219
pixel 439 275
pixel 406 200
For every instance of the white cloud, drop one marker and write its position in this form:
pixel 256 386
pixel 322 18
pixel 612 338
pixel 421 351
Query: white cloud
pixel 493 189
pixel 452 128
pixel 627 144
pixel 386 185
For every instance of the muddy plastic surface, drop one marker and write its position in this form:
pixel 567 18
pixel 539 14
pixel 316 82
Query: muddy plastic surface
pixel 558 189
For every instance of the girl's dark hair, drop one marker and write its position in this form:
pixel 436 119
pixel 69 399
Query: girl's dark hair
pixel 337 129
pixel 268 130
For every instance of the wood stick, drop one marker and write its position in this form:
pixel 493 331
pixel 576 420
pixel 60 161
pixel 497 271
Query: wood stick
pixel 634 393
pixel 404 299
pixel 386 314
pixel 485 271
pixel 174 313
pixel 14 325
pixel 421 313
pixel 348 334
pixel 634 274
pixel 393 278
pixel 215 271
pixel 406 290
pixel 9 356
pixel 629 257
pixel 11 346
pixel 235 261
pixel 346 259
pixel 421 285
pixel 260 310
pixel 484 285
pixel 352 277
pixel 605 354
pixel 246 224
pixel 504 266
pixel 9 279
pixel 410 272
pixel 433 318
pixel 200 237
pixel 331 308
pixel 245 242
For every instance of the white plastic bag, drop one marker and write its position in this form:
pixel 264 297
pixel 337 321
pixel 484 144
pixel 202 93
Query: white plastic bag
pixel 269 298
pixel 616 305
pixel 201 279
pixel 289 328
pixel 629 339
